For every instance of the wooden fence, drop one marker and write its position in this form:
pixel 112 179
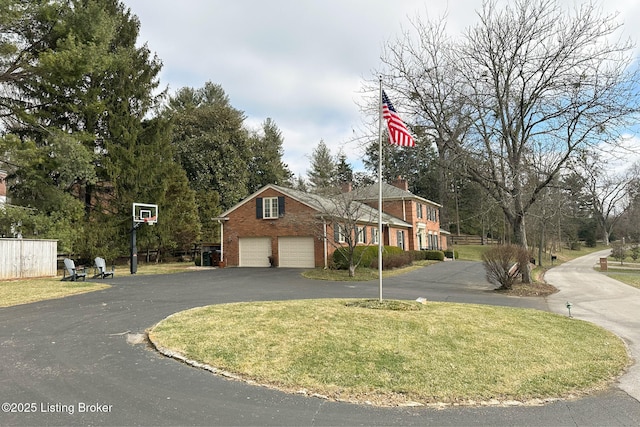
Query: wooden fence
pixel 468 239
pixel 23 258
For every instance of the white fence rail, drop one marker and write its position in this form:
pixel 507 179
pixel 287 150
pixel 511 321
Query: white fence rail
pixel 22 258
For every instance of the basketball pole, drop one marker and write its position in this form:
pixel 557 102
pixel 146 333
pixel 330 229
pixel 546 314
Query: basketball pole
pixel 133 264
pixel 148 215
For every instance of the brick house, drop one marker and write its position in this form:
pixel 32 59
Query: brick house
pixel 421 213
pixel 289 228
pixel 3 187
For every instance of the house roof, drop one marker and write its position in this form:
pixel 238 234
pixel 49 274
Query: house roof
pixel 389 192
pixel 330 206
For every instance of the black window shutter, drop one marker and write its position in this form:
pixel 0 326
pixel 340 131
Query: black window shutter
pixel 364 234
pixel 259 207
pixel 281 206
pixel 336 232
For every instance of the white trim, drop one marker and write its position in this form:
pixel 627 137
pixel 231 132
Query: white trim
pixel 272 208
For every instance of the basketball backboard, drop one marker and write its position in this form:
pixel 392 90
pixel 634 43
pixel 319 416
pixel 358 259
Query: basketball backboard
pixel 145 213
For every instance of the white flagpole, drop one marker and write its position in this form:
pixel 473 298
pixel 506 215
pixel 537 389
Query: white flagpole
pixel 380 237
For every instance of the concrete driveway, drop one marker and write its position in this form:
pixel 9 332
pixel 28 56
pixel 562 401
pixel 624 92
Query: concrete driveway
pixel 80 361
pixel 601 300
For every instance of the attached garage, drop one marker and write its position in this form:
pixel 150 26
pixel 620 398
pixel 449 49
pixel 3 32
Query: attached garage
pixel 254 251
pixel 296 252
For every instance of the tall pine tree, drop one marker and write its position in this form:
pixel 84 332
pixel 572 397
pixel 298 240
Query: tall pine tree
pixel 210 142
pixel 322 175
pixel 265 165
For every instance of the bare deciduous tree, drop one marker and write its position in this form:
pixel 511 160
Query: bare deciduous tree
pixel 534 86
pixel 351 221
pixel 607 191
pixel 341 221
pixel 424 71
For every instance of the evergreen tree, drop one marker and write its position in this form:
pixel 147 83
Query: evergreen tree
pixel 266 166
pixel 179 225
pixel 300 184
pixel 211 143
pixel 418 165
pixel 78 112
pixel 322 175
pixel 344 171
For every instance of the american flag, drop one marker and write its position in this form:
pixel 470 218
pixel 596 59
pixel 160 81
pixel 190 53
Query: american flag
pixel 398 132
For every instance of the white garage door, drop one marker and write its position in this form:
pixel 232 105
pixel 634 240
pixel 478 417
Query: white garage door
pixel 296 252
pixel 254 251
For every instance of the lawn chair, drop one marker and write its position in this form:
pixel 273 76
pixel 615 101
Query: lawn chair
pixel 72 273
pixel 100 269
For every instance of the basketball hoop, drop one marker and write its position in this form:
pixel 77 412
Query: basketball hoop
pixel 150 220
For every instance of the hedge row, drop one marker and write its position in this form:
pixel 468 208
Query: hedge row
pixel 393 257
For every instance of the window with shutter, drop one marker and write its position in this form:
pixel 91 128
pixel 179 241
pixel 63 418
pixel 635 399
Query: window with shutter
pixel 259 208
pixel 281 206
pixel 400 237
pixel 374 235
pixel 362 234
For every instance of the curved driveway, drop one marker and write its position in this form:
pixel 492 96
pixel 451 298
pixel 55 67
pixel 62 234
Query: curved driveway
pixel 79 360
pixel 601 300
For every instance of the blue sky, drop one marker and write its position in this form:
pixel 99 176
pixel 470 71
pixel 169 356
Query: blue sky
pixel 300 62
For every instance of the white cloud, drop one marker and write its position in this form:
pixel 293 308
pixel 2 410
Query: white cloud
pixel 300 62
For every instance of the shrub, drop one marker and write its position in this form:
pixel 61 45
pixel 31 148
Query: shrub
pixel 341 261
pixel 392 257
pixel 340 258
pixel 502 264
pixel 394 260
pixel 434 255
pixel 618 251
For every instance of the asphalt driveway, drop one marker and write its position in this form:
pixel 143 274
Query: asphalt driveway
pixel 80 361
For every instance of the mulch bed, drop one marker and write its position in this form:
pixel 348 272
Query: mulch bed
pixel 529 290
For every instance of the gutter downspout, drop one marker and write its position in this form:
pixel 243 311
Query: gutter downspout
pixel 404 210
pixel 221 241
pixel 220 221
pixel 324 241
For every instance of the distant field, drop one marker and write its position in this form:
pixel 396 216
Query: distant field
pixel 474 253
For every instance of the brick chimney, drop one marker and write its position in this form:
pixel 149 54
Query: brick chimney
pixel 347 187
pixel 401 183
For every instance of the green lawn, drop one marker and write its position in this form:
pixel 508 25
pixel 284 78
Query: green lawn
pixel 632 279
pixel 437 352
pixel 24 291
pixel 362 274
pixel 474 253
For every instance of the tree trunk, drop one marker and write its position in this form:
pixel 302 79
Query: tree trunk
pixel 352 270
pixel 443 187
pixel 88 194
pixel 542 242
pixel 520 235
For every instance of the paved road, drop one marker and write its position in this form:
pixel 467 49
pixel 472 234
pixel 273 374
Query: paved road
pixel 77 360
